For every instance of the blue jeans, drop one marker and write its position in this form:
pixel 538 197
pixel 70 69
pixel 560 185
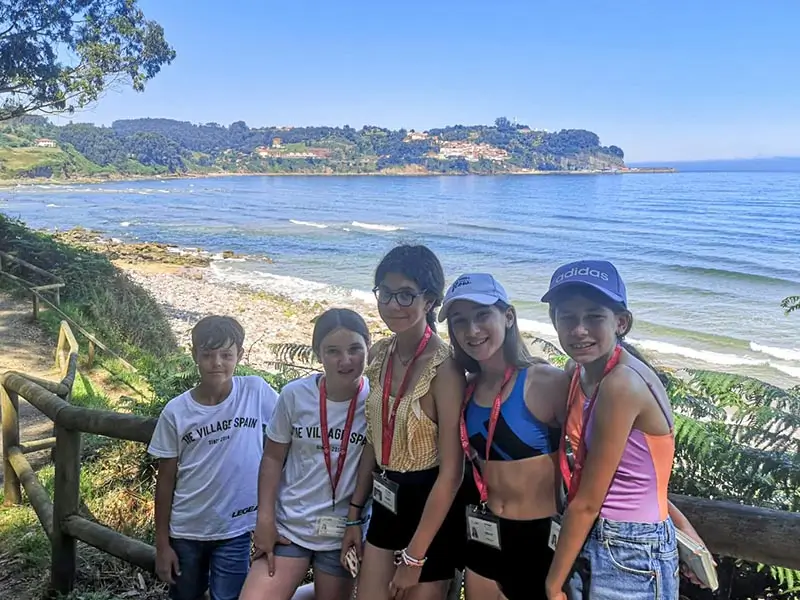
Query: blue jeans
pixel 627 561
pixel 219 566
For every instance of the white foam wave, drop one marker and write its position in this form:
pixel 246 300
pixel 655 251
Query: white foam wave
pixel 707 356
pixel 376 226
pixel 308 224
pixel 296 288
pixel 790 371
pixel 546 331
pixel 51 205
pixel 792 354
pixel 537 327
pixel 125 224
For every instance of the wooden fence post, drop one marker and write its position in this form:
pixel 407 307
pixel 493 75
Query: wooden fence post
pixel 35 307
pixel 66 499
pixel 9 405
pixel 90 355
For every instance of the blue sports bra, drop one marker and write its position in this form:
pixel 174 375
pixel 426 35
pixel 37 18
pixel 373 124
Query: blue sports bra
pixel 518 433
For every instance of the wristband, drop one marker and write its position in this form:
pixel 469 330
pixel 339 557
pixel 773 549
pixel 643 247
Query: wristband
pixel 354 523
pixel 358 506
pixel 402 557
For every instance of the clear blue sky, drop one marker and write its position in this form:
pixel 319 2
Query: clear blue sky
pixel 663 80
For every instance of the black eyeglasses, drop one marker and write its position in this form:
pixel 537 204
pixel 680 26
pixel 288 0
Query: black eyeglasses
pixel 403 298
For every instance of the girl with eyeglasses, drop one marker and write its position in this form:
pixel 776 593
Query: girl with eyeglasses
pixel 412 464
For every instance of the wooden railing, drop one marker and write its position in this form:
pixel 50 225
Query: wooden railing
pixel 60 517
pixel 54 304
pixel 53 288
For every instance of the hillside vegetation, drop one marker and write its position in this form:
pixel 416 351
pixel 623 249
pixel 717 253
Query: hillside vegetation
pixel 146 147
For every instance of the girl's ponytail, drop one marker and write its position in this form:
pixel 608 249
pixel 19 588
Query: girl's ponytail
pixel 430 317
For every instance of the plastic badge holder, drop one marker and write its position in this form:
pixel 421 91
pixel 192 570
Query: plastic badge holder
pixel 698 559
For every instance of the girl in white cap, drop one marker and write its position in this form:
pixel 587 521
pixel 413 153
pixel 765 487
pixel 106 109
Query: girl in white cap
pixel 512 407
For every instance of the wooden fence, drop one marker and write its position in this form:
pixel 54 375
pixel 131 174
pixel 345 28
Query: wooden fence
pixel 53 288
pixel 54 304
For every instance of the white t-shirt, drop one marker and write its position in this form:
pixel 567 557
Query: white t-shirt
pixel 305 489
pixel 219 450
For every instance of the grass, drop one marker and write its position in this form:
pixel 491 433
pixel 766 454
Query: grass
pixel 26 159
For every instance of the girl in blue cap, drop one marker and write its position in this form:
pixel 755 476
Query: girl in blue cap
pixel 616 538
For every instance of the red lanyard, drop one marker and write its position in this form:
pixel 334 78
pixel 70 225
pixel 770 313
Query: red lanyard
pixel 388 418
pixel 493 417
pixel 326 442
pixel 572 478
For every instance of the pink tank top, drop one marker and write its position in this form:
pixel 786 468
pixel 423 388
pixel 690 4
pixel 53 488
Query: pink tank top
pixel 638 491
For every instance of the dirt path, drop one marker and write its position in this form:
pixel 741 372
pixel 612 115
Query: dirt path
pixel 24 347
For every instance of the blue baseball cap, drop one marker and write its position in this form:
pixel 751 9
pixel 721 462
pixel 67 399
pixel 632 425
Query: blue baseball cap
pixel 480 288
pixel 598 274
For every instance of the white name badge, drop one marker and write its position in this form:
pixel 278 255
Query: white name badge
pixel 555 531
pixel 483 527
pixel 330 526
pixel 384 492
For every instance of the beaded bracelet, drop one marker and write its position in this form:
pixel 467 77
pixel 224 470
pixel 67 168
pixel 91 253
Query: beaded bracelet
pixel 410 560
pixel 356 522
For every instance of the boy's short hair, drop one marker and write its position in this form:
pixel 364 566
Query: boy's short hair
pixel 215 331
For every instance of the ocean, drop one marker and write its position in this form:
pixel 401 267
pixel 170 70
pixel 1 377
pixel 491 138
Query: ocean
pixel 707 257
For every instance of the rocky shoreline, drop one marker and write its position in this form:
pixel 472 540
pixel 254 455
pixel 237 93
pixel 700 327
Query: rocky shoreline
pixel 138 252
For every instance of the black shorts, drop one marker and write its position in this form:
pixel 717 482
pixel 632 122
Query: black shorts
pixel 520 567
pixel 391 531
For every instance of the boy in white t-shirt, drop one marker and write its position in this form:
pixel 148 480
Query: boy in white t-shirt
pixel 210 440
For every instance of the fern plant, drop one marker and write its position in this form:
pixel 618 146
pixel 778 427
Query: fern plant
pixel 791 304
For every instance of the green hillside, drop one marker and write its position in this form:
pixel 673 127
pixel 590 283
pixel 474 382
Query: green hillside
pixel 165 146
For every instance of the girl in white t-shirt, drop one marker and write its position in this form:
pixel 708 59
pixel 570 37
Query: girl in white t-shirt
pixel 307 476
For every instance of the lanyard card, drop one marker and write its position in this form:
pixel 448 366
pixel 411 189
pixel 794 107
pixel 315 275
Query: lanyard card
pixel 330 527
pixel 555 531
pixel 384 492
pixel 483 527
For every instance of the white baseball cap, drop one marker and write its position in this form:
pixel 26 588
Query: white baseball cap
pixel 481 288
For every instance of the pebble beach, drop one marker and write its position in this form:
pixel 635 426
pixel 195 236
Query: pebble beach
pixel 187 294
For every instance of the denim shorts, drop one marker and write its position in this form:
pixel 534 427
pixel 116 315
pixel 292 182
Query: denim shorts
pixel 326 561
pixel 219 566
pixel 627 561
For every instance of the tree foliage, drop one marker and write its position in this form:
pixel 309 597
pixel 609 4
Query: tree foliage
pixel 166 145
pixel 56 55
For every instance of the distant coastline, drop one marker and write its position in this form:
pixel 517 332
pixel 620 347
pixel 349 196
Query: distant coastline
pixel 5 183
